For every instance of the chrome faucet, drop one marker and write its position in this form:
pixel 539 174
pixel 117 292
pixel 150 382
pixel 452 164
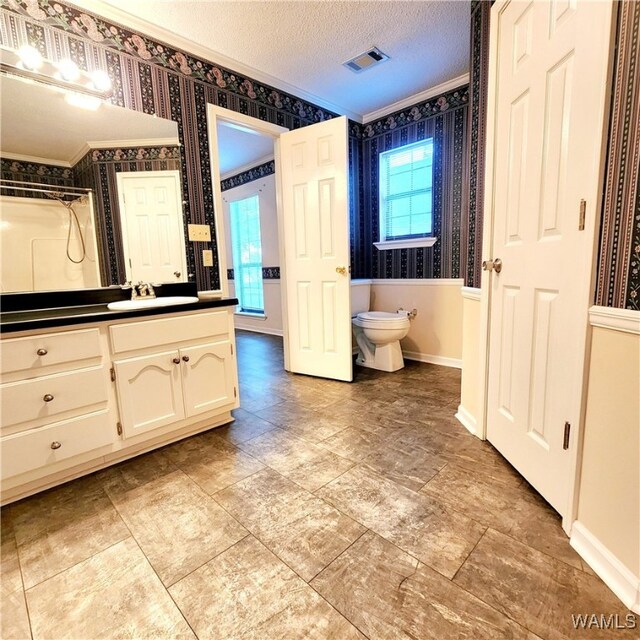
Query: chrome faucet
pixel 140 290
pixel 145 290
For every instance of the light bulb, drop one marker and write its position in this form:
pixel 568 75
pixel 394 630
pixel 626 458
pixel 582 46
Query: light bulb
pixel 30 57
pixel 68 70
pixel 101 80
pixel 83 101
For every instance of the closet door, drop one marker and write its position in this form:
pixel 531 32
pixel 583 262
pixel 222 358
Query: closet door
pixel 546 133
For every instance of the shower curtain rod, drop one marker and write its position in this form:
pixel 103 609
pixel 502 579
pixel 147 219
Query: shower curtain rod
pixel 37 187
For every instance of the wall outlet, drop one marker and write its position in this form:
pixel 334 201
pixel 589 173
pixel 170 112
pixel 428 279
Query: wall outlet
pixel 207 258
pixel 199 233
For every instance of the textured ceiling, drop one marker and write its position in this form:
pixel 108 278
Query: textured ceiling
pixel 305 43
pixel 37 122
pixel 237 148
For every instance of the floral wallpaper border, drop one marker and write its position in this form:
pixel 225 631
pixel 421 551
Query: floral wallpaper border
pixel 255 173
pixel 268 273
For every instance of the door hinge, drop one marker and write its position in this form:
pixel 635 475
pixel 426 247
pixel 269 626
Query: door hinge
pixel 119 428
pixel 235 392
pixel 112 371
pixel 231 349
pixel 565 439
pixel 583 215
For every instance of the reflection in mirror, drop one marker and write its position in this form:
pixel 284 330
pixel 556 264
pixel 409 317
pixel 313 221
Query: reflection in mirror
pixel 73 214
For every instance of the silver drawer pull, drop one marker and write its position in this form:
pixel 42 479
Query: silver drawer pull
pixel 56 445
pixel 42 352
pixel 48 397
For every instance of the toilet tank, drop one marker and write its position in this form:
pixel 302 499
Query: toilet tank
pixel 360 296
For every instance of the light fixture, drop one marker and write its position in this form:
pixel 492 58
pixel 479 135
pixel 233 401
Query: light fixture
pixel 68 70
pixel 101 81
pixel 30 58
pixel 27 63
pixel 83 101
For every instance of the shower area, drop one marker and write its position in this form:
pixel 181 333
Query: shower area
pixel 47 238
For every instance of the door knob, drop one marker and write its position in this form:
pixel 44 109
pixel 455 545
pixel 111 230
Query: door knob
pixel 177 274
pixel 492 265
pixel 176 361
pixel 56 445
pixel 185 358
pixel 341 270
pixel 48 397
pixel 42 352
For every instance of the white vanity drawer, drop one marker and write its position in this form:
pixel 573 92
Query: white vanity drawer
pixel 165 331
pixel 25 400
pixel 37 448
pixel 35 352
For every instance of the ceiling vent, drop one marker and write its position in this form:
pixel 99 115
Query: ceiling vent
pixel 366 60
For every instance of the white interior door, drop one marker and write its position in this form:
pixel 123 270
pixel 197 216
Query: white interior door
pixel 152 227
pixel 314 167
pixel 545 145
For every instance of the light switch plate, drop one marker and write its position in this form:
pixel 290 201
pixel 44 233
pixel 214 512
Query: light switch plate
pixel 207 258
pixel 199 233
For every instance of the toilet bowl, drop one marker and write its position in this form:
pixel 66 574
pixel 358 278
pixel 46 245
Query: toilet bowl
pixel 378 334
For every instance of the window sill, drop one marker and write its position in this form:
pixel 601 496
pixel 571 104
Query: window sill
pixel 248 314
pixel 411 243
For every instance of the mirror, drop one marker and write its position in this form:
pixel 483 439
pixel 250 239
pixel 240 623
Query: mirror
pixel 88 197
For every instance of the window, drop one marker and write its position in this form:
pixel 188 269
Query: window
pixel 247 253
pixel 406 203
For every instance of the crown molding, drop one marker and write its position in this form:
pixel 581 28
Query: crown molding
pixel 134 23
pixel 119 144
pixel 36 159
pixel 416 98
pixel 246 167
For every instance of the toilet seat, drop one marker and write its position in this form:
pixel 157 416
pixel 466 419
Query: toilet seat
pixel 381 320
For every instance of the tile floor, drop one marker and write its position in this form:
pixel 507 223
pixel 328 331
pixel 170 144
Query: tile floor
pixel 326 510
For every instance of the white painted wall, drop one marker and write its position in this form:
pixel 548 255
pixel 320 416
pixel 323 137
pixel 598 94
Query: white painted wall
pixel 607 531
pixel 470 392
pixel 265 189
pixel 33 239
pixel 436 332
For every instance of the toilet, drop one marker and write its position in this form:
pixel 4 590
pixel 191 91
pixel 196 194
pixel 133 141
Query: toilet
pixel 378 333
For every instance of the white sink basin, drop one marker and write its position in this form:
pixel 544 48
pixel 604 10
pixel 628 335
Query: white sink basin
pixel 150 303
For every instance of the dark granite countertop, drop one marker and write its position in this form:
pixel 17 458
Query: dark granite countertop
pixel 63 316
pixel 41 310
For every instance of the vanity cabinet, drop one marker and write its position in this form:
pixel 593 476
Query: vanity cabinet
pixel 77 400
pixel 55 401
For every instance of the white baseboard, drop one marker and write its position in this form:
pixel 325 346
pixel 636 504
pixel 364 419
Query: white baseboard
pixel 257 329
pixel 613 573
pixel 443 361
pixel 467 420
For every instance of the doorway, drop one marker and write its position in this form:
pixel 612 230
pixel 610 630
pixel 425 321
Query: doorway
pixel 311 191
pixel 152 227
pixel 547 106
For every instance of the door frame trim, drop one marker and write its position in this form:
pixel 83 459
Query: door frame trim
pixel 582 314
pixel 217 114
pixel 121 177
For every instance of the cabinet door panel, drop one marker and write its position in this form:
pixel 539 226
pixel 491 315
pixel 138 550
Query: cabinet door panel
pixel 208 375
pixel 149 392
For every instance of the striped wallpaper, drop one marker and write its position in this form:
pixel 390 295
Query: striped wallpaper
pixel 152 77
pixel 618 283
pixel 445 119
pixel 97 170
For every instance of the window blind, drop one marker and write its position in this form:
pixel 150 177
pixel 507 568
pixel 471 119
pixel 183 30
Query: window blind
pixel 247 253
pixel 406 184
